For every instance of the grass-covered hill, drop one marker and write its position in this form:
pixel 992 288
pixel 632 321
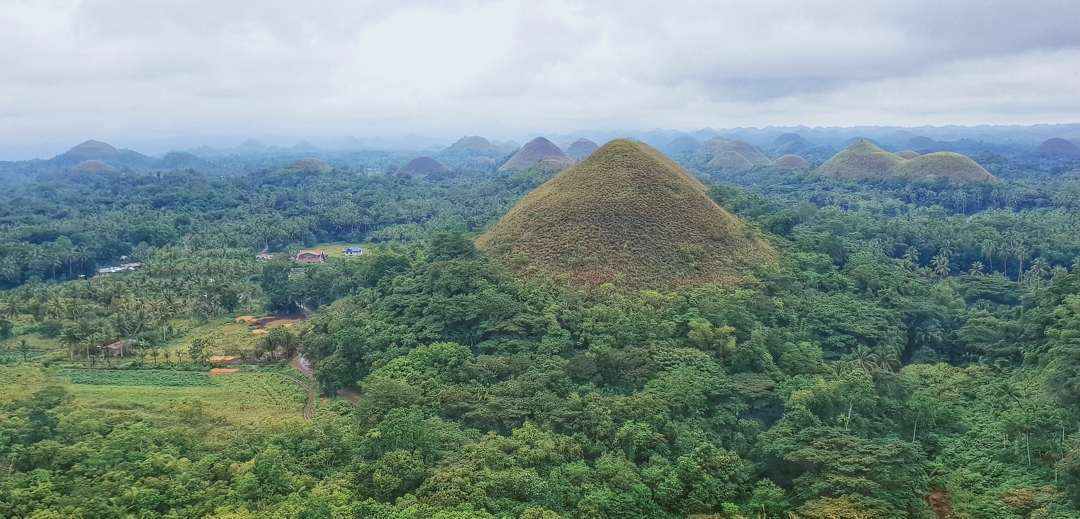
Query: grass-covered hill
pixel 627 215
pixel 730 161
pixel 907 154
pixel 716 146
pixel 864 159
pixel 681 146
pixel 581 148
pixel 538 152
pixel 943 165
pixel 1058 148
pixel 790 162
pixel 423 166
pixel 92 166
pixel 308 165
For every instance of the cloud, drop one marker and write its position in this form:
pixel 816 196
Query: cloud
pixel 175 71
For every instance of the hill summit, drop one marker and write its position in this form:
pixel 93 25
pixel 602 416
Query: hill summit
pixel 91 149
pixel 538 152
pixel 626 214
pixel 581 148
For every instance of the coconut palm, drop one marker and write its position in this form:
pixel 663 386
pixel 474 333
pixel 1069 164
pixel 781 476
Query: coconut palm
pixel 976 269
pixel 912 255
pixel 940 265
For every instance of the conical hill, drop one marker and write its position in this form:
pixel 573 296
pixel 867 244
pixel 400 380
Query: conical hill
pixel 423 166
pixel 790 162
pixel 581 148
pixel 626 214
pixel 534 153
pixel 943 165
pixel 862 159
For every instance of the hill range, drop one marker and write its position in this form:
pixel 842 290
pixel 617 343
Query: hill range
pixel 864 159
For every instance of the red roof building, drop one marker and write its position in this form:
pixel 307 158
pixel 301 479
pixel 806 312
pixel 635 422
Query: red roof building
pixel 310 256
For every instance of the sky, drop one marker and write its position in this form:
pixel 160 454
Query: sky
pixel 174 74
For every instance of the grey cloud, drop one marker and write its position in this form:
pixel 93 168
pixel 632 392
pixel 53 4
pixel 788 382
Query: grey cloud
pixel 144 70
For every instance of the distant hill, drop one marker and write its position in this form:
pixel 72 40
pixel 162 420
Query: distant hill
pixel 423 166
pixel 683 145
pixel 304 147
pixel 100 151
pixel 581 148
pixel 505 148
pixel 308 165
pixel 790 144
pixel 92 149
pixel 474 143
pixel 1058 148
pixel 865 160
pixel 538 152
pixel 922 143
pixel 179 160
pixel 250 146
pixel 469 147
pixel 628 215
pixel 943 165
pixel 790 163
pixel 730 161
pixel 907 154
pixel 715 147
pixel 92 166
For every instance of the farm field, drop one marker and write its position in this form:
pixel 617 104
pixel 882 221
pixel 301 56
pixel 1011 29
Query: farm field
pixel 235 396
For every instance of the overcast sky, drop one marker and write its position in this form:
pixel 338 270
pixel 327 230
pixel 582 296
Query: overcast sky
pixel 181 73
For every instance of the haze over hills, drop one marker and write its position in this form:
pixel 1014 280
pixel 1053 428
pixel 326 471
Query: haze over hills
pixel 538 153
pixel 581 148
pixel 627 215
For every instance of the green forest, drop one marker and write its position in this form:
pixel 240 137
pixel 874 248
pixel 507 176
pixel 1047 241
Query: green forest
pixel 913 353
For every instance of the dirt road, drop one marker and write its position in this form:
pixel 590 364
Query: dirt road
pixel 302 365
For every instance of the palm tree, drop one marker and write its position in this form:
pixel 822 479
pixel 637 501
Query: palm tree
pixel 976 269
pixel 912 255
pixel 24 348
pixel 1039 270
pixel 940 264
pixel 1021 254
pixel 988 250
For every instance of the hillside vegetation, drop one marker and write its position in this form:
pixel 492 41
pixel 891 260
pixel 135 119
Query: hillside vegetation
pixel 627 215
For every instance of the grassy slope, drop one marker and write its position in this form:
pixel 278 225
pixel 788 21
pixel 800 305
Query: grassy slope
pixel 860 160
pixel 952 166
pixel 730 161
pixel 625 214
pixel 790 162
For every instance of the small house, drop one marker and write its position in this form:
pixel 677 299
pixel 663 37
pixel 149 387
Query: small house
pixel 115 349
pixel 352 251
pixel 264 256
pixel 310 256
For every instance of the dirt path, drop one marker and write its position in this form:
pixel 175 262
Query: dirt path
pixel 308 413
pixel 302 365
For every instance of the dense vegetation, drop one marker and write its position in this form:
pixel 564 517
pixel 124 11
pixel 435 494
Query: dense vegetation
pixel 915 349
